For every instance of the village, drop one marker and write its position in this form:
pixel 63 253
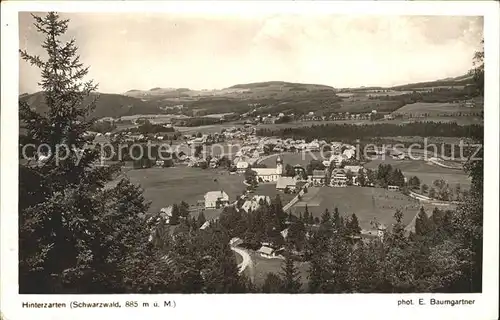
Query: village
pixel 255 155
pixel 300 172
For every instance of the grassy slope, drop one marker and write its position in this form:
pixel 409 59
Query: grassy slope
pixel 367 203
pixel 165 186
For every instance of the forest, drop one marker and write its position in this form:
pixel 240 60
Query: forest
pixel 352 131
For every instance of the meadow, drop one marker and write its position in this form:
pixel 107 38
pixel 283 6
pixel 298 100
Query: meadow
pixel 166 186
pixel 369 204
pixel 425 171
pixel 434 108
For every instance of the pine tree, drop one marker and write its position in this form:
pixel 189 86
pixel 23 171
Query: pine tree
pixel 336 217
pixel 423 225
pixel 272 284
pixel 361 178
pixel 325 217
pixel 353 225
pixel 201 219
pixel 74 236
pixel 306 215
pixel 175 218
pixel 290 276
pixel 277 210
pixel 184 209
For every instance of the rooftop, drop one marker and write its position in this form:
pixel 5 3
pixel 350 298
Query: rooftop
pixel 214 195
pixel 266 250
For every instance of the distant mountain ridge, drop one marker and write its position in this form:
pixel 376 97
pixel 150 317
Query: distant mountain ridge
pixel 108 105
pixel 278 83
pixel 462 80
pixel 278 96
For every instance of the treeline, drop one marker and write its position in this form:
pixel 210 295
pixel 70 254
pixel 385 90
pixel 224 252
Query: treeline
pixel 103 126
pixel 196 122
pixel 423 129
pixel 148 127
pixel 437 95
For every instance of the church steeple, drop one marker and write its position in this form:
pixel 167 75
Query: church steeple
pixel 279 165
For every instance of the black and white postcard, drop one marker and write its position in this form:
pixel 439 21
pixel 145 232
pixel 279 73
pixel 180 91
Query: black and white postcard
pixel 243 159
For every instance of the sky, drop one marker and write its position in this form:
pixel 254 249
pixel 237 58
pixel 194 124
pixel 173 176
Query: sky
pixel 128 51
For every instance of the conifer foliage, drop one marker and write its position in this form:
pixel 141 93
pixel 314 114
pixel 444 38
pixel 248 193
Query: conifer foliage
pixel 74 236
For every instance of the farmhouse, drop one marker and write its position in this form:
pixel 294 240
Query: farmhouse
pixel 338 179
pixel 215 199
pixel 348 153
pixel 318 177
pixel 381 231
pixel 393 188
pixel 235 242
pixel 286 182
pixel 299 171
pixel 166 213
pixel 214 163
pixel 241 166
pixel 266 252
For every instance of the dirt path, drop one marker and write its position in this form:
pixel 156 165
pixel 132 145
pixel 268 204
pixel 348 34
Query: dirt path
pixel 246 263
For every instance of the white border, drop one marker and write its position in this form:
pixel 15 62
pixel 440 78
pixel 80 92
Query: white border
pixel 246 306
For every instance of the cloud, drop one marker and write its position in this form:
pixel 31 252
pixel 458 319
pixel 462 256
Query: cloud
pixel 130 51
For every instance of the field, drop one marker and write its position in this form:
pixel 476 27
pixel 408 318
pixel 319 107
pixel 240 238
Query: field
pixel 459 120
pixel 425 171
pixel 368 203
pixel 435 108
pixel 165 186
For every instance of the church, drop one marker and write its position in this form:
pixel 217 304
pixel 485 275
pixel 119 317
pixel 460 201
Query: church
pixel 270 174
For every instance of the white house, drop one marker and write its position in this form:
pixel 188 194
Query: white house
pixel 266 252
pixel 213 198
pixel 318 177
pixel 381 229
pixel 235 242
pixel 349 153
pixel 339 178
pixel 313 146
pixel 166 213
pixel 241 166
